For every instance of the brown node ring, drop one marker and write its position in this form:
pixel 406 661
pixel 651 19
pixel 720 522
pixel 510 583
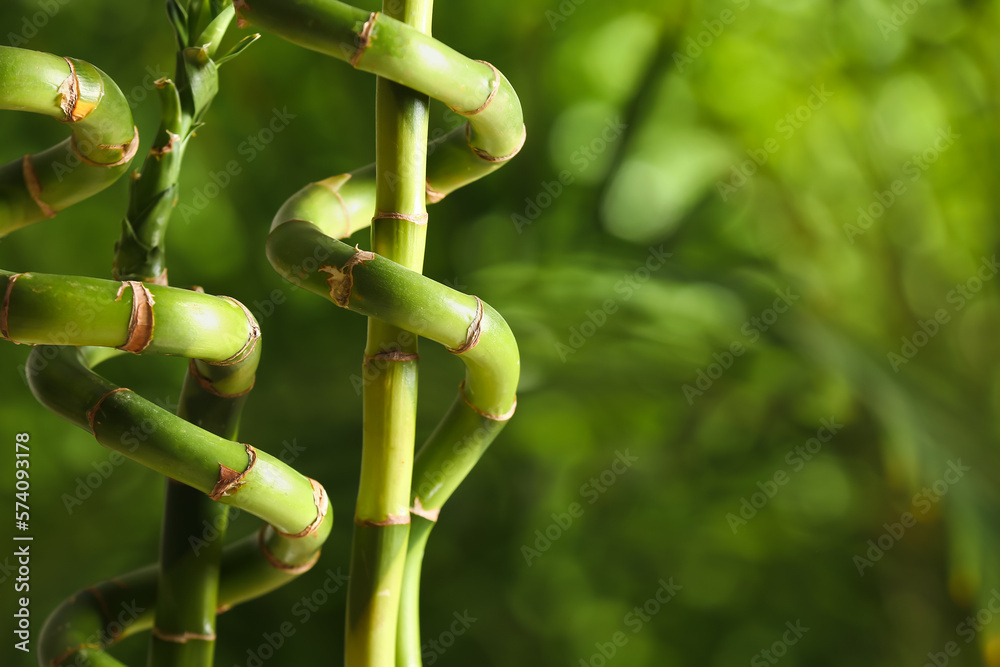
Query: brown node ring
pixel 322 507
pixel 433 196
pixel 5 310
pixel 231 480
pixel 364 39
pixel 483 155
pixel 419 510
pixel 417 219
pixel 392 355
pixel 279 564
pixel 252 338
pixel 497 418
pixel 390 520
pixel 35 187
pixel 494 87
pixel 208 386
pixel 141 321
pixel 92 413
pixel 128 150
pixel 182 638
pixel 474 332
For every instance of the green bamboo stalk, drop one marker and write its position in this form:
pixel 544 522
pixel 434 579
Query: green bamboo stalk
pixel 212 397
pixel 140 252
pixel 391 49
pixel 103 140
pixel 294 506
pixel 399 231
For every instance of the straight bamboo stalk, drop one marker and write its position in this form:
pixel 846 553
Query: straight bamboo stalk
pixel 382 516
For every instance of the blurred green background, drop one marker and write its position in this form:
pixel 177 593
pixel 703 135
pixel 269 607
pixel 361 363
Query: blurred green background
pixel 822 175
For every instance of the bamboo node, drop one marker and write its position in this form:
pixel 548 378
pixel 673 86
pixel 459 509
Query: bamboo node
pixel 475 330
pixel 279 564
pixel 327 184
pixel 494 87
pixel 141 321
pixel 417 218
pixel 241 5
pixel 208 386
pixel 252 338
pixel 433 196
pixel 70 651
pixel 128 150
pixel 182 638
pixel 392 355
pixel 364 39
pixel 497 418
pixel 494 158
pixel 92 413
pixel 231 480
pixel 159 152
pixel 35 187
pixel 421 511
pixel 341 280
pixel 322 507
pixel 390 520
pixel 5 310
pixel 69 94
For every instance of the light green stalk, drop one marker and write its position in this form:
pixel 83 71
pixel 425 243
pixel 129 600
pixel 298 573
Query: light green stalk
pixel 199 29
pixel 63 381
pixel 382 513
pixel 102 143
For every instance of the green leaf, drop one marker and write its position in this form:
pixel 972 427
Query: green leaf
pixel 178 19
pixel 213 33
pixel 238 48
pixel 202 78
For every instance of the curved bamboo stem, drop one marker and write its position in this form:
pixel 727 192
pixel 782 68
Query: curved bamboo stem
pixel 102 143
pixel 295 507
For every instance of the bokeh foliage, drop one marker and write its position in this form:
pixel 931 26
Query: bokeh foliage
pixel 632 126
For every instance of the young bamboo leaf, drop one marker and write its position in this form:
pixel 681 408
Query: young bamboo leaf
pixel 202 79
pixel 237 49
pixel 213 33
pixel 178 19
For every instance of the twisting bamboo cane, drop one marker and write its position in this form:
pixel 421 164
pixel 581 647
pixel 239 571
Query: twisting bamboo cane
pixel 76 311
pixel 398 300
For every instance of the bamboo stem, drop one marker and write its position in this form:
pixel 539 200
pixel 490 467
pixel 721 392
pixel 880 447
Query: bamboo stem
pixel 295 507
pixel 98 152
pixel 390 401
